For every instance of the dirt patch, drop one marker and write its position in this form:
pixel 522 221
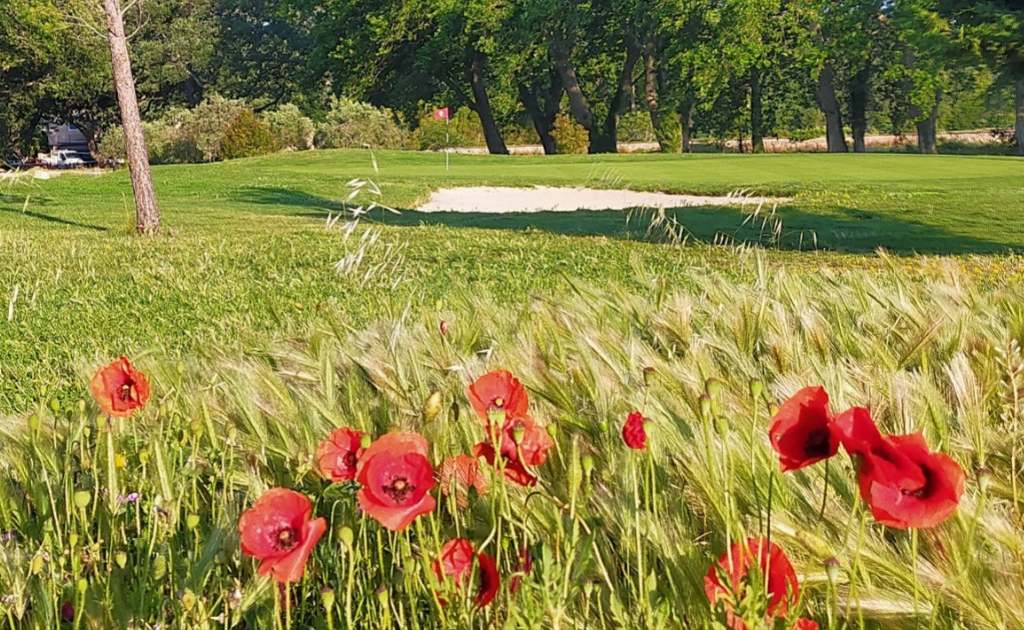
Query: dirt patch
pixel 500 200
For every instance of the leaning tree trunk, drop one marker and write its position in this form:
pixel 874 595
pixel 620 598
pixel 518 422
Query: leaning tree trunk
pixel 147 214
pixel 756 117
pixel 1018 126
pixel 579 108
pixel 829 104
pixel 482 105
pixel 859 108
pixel 927 132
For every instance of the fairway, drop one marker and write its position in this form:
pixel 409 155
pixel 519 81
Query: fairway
pixel 250 257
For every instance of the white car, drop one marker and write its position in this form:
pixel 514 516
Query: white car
pixel 63 159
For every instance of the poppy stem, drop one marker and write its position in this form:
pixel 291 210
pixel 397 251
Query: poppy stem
pixel 824 493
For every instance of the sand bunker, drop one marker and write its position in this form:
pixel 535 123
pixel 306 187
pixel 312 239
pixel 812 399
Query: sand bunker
pixel 499 200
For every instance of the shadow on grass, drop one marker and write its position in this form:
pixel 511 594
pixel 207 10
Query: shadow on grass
pixel 841 229
pixel 19 212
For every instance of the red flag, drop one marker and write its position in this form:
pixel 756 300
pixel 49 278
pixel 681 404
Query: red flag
pixel 441 114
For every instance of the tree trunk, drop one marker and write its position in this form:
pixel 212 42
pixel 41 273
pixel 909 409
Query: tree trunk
pixel 859 108
pixel 147 214
pixel 605 139
pixel 665 126
pixel 927 133
pixel 756 117
pixel 482 105
pixel 826 95
pixel 686 126
pixel 542 117
pixel 1018 126
pixel 579 108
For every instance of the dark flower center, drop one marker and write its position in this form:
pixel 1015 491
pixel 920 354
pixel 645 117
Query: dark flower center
pixel 399 489
pixel 286 539
pixel 498 402
pixel 818 443
pixel 128 391
pixel 350 460
pixel 926 488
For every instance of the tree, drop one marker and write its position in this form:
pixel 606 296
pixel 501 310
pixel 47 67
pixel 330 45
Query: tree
pixel 995 29
pixel 147 214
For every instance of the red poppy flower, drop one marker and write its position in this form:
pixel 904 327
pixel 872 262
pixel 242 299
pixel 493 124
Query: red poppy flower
pixel 782 586
pixel 902 481
pixel 120 389
pixel 805 624
pixel 633 433
pixel 278 532
pixel 498 392
pixel 396 478
pixel 524 444
pixel 460 472
pixel 338 454
pixel 457 560
pixel 802 432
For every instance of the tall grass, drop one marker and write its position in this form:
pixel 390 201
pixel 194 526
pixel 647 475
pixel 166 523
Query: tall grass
pixel 620 538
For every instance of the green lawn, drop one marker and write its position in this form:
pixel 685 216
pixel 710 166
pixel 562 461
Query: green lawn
pixel 246 255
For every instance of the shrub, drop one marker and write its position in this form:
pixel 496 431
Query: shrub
pixel 350 123
pixel 635 126
pixel 570 136
pixel 291 130
pixel 246 136
pixel 204 126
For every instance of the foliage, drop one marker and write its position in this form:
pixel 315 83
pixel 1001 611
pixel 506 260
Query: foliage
pixel 350 123
pixel 461 130
pixel 247 136
pixel 290 128
pixel 570 136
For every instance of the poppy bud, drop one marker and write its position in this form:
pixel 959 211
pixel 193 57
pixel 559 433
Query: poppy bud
pixel 832 569
pixel 984 479
pixel 552 430
pixel 188 599
pixel 442 327
pixel 54 405
pixel 121 558
pixel 82 499
pixel 382 597
pixel 81 586
pixel 346 536
pixel 756 388
pixel 67 612
pixel 588 465
pixel 705 406
pixel 518 433
pixel 34 423
pixel 714 387
pixel 38 562
pixel 192 521
pixel 72 539
pixel 365 441
pixel 159 567
pixel 143 457
pixel 648 375
pixel 432 407
pixel 328 597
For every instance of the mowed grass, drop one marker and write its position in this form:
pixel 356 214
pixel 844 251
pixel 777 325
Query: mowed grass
pixel 246 256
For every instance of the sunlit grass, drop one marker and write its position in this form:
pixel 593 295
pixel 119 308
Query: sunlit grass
pixel 620 537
